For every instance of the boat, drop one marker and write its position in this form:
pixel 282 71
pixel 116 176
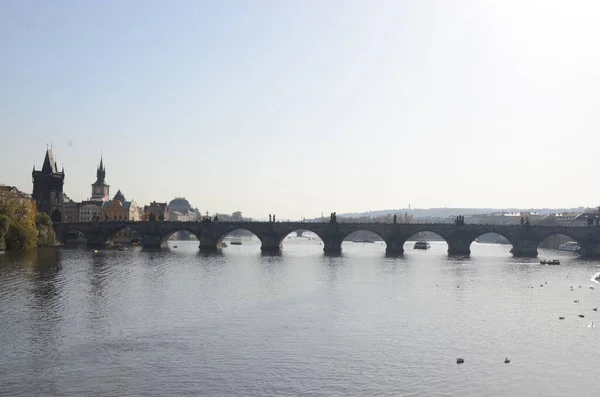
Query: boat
pixel 223 244
pixel 422 245
pixel 364 241
pixel 549 262
pixel 236 241
pixel 122 248
pixel 571 246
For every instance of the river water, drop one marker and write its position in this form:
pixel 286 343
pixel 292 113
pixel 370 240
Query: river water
pixel 181 323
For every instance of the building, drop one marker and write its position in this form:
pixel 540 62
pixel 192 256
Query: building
pixel 12 193
pixel 119 209
pixel 48 187
pixel 100 189
pixel 89 211
pixel 159 211
pixel 582 219
pixel 179 209
pixel 70 211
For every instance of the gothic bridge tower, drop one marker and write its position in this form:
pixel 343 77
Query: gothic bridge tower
pixel 48 187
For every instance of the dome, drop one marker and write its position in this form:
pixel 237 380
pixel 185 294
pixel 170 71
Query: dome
pixel 180 204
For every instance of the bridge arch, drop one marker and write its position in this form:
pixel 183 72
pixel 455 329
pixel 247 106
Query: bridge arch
pixel 173 231
pixel 425 234
pixel 359 236
pixel 236 231
pixel 492 237
pixel 554 239
pixel 64 233
pixel 293 232
pixel 114 231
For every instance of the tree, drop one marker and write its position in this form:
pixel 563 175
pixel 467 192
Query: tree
pixel 19 225
pixel 4 221
pixel 46 235
pixel 21 235
pixel 237 216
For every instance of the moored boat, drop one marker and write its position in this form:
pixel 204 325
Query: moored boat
pixel 422 245
pixel 236 241
pixel 571 246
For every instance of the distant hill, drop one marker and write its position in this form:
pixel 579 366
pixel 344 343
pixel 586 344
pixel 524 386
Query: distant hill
pixel 452 212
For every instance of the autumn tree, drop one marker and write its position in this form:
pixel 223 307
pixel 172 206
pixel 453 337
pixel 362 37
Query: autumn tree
pixel 18 225
pixel 46 235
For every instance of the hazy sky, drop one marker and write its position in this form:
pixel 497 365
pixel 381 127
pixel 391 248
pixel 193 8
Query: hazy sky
pixel 302 107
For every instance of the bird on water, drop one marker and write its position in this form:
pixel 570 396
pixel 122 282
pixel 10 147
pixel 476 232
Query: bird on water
pixel 460 360
pixel 506 360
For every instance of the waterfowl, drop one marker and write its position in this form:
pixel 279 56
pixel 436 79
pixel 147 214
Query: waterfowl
pixel 460 360
pixel 561 318
pixel 581 316
pixel 506 360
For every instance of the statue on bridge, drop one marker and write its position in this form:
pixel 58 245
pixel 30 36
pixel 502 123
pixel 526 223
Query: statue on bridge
pixel 216 218
pixel 460 220
pixel 270 218
pixel 273 218
pixel 395 219
pixel 152 217
pixel 333 218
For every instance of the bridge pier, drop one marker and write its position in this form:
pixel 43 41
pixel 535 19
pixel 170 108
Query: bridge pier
pixel 394 247
pixel 208 243
pixel 525 249
pixel 459 246
pixel 270 243
pixel 151 241
pixel 95 240
pixel 589 250
pixel 332 245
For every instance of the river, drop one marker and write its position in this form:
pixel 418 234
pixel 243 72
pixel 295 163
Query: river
pixel 178 322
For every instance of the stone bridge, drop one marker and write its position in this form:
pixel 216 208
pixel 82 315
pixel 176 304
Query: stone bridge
pixel 524 238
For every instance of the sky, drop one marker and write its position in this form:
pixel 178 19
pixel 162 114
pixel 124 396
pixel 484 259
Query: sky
pixel 300 107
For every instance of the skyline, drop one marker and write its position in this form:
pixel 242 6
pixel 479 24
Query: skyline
pixel 302 108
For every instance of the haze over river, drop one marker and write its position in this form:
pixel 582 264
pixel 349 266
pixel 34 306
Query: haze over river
pixel 181 323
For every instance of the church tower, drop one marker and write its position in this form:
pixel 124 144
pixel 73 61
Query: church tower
pixel 100 189
pixel 48 187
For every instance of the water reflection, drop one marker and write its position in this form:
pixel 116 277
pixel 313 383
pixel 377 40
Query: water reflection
pixel 239 322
